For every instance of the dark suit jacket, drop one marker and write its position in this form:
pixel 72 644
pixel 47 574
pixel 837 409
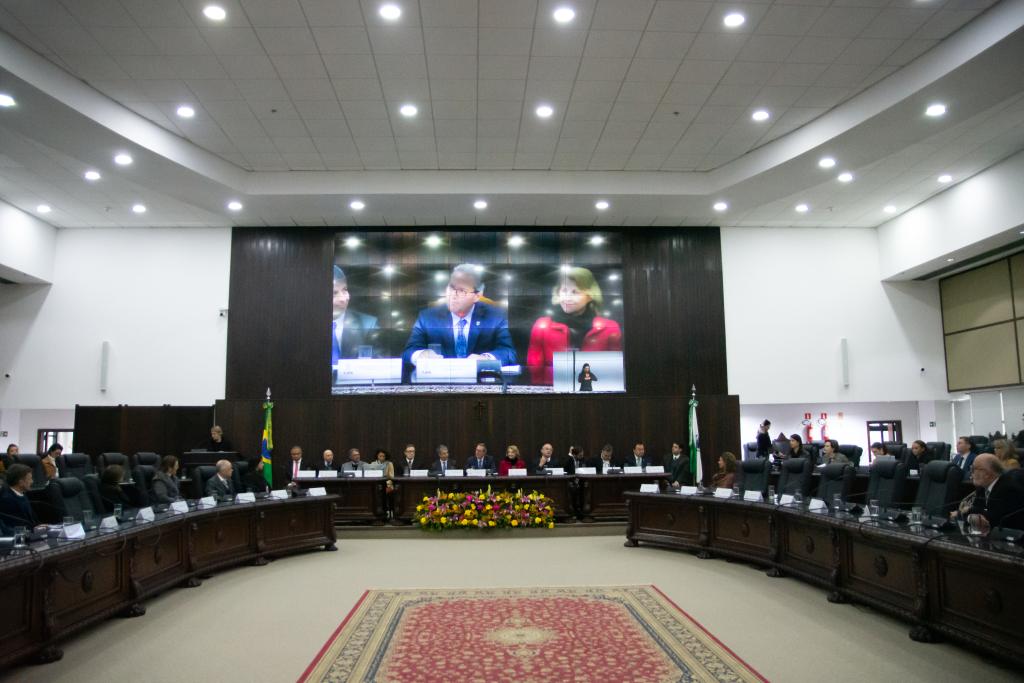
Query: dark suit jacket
pixel 165 489
pixel 402 467
pixel 111 495
pixel 322 465
pixel 216 487
pixel 631 461
pixel 255 482
pixel 965 467
pixel 488 463
pixel 16 510
pixel 436 465
pixel 283 473
pixel 1004 506
pixel 600 465
pixel 680 469
pixel 488 333
pixel 359 329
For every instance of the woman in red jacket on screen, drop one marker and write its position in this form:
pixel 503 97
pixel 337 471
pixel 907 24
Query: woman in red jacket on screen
pixel 575 324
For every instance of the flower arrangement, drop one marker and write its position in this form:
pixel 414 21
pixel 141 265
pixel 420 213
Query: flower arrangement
pixel 485 510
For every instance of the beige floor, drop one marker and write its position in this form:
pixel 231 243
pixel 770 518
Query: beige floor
pixel 267 623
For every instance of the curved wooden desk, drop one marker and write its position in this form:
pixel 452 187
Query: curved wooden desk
pixel 57 588
pixel 967 589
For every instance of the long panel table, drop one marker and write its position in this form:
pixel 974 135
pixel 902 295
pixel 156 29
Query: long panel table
pixel 359 500
pixel 968 589
pixel 56 588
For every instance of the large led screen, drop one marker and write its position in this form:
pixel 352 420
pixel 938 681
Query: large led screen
pixel 537 312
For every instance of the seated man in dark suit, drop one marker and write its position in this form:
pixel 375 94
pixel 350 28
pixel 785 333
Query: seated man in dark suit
pixel 15 509
pixel 546 459
pixel 327 462
pixel 355 461
pixel 289 472
pixel 442 464
pixel 575 460
pixel 639 458
pixel 407 463
pixel 219 485
pixel 480 459
pixel 998 499
pixel 606 461
pixel 679 467
pixel 464 327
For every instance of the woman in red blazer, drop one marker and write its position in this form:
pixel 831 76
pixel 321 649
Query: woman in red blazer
pixel 574 324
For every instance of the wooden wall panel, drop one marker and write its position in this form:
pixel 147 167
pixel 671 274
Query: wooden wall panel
pixel 163 429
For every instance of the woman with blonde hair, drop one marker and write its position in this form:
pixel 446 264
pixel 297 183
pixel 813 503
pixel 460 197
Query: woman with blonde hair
pixel 511 461
pixel 573 324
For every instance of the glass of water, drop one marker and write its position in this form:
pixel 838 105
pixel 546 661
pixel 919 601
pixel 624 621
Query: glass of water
pixel 916 515
pixel 771 494
pixel 118 509
pixel 798 499
pixel 837 502
pixel 69 520
pixel 736 491
pixel 873 507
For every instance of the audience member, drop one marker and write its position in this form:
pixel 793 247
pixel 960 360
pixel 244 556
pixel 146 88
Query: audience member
pixel 511 461
pixel 965 455
pixel 165 482
pixel 878 450
pixel 15 509
pixel 220 484
pixel 725 477
pixel 1006 453
pixel 49 461
pixel 764 439
pixel 920 455
pixel 8 459
pixel 111 493
pixel 830 453
pixel 998 500
pixel 797 448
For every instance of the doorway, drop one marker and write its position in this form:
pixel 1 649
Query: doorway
pixel 884 431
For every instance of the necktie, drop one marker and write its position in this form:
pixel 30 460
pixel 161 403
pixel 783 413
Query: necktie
pixel 295 471
pixel 461 347
pixel 959 461
pixel 444 465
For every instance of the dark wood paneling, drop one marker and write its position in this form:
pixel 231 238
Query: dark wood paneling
pixel 129 429
pixel 279 306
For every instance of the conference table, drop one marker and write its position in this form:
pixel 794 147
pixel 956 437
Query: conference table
pixel 943 583
pixel 54 588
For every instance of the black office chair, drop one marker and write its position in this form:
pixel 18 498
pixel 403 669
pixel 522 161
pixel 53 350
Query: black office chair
pixel 939 449
pixel 750 450
pixel 755 475
pixel 74 465
pixel 200 475
pixel 939 488
pixel 146 458
pixel 895 448
pixel 143 476
pixel 980 443
pixel 835 478
pixel 238 471
pixel 67 497
pixel 795 477
pixel 853 453
pixel 886 482
pixel 107 459
pixel 36 463
pixel 92 489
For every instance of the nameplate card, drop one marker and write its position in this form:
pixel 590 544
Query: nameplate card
pixel 649 488
pixel 586 470
pixel 655 469
pixel 419 473
pixel 557 471
pixel 786 499
pixel 248 497
pixel 179 507
pixel 317 491
pixel 145 515
pixel 351 474
pixel 632 469
pixel 476 473
pixel 751 496
pixel 73 532
pixel 307 474
pixel 108 523
pixel 517 473
pixel 207 502
pixel 373 474
pixel 327 474
pixel 688 490
pixel 452 473
pixel 914 473
pixel 723 493
pixel 817 505
pixel 279 494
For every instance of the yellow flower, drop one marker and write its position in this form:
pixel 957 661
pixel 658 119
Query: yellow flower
pixel 464 522
pixel 538 520
pixel 487 507
pixel 551 525
pixel 423 520
pixel 515 522
pixel 444 520
pixel 419 508
pixel 490 523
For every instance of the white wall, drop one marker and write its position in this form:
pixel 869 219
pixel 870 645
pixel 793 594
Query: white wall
pixel 791 294
pixel 26 246
pixel 154 294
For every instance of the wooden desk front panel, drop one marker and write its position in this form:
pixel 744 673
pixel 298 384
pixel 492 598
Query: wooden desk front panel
pixel 882 570
pixel 220 536
pixel 744 528
pixel 979 597
pixel 360 500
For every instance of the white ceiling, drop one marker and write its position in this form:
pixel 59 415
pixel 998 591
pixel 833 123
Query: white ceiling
pixel 297 109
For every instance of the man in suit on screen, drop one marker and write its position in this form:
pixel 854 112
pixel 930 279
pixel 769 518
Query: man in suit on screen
pixel 350 328
pixel 464 327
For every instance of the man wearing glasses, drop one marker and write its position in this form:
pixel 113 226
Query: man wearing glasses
pixel 464 327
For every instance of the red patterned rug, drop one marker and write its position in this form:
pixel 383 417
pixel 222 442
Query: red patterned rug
pixel 527 635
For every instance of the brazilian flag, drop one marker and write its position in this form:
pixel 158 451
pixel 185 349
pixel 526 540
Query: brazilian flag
pixel 267 444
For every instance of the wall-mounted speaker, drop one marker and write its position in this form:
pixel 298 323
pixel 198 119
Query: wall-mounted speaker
pixel 104 364
pixel 844 354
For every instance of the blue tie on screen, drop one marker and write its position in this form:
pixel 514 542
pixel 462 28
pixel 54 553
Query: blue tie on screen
pixel 335 351
pixel 460 340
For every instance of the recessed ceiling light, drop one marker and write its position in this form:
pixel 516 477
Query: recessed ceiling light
pixel 826 162
pixel 408 110
pixel 390 12
pixel 139 208
pixel 6 100
pixel 545 111
pixel 44 208
pixel 889 208
pixel 601 205
pixel 356 205
pixel 186 112
pixel 720 206
pixel 352 242
pixel 597 240
pixel 480 205
pixel 214 13
pixel 92 175
pixel 516 241
pixel 937 109
pixel 563 15
pixel 945 178
pixel 433 241
pixel 733 19
pixel 802 208
pixel 761 115
pixel 565 268
pixel 845 177
pixel 388 269
pixel 613 277
pixel 235 206
pixel 123 159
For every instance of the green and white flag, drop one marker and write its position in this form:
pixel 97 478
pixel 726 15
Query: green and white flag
pixel 695 464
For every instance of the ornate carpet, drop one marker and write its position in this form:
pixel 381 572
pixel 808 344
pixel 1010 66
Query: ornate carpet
pixel 527 635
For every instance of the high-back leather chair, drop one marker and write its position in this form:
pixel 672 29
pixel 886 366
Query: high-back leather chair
pixel 107 459
pixel 146 458
pixel 895 448
pixel 939 488
pixel 939 449
pixel 755 475
pixel 74 465
pixel 853 453
pixel 67 497
pixel 886 482
pixel 835 478
pixel 92 488
pixel 238 471
pixel 750 450
pixel 795 477
pixel 143 476
pixel 36 463
pixel 200 475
